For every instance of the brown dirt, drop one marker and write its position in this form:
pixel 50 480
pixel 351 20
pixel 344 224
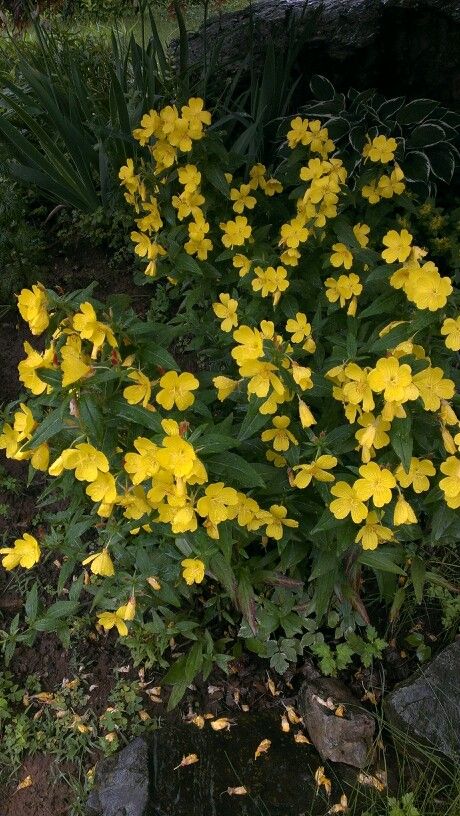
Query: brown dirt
pixel 47 796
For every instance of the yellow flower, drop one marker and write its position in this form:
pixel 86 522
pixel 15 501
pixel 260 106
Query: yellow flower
pixel 358 390
pixel 299 133
pixel 141 392
pixel 24 423
pixel 341 256
pixel 102 489
pixel 299 328
pixel 302 376
pixel 195 116
pixel 372 435
pixel 305 415
pixel 433 387
pixel 235 232
pixel 372 533
pixel 426 288
pixel 417 474
pixel 101 564
pixel 226 311
pixel 343 289
pixel 391 378
pixel 361 233
pixel 74 364
pixel 281 437
pixel 391 185
pixel 85 322
pixel 276 520
pixel 198 244
pixel 398 246
pixel 176 390
pixel 451 330
pixel 376 483
pixel 250 344
pixel 319 469
pixel 189 177
pixel 178 456
pixel 225 386
pixel 293 233
pixel 347 503
pixel 270 281
pixel 40 457
pixel 278 460
pixel 110 619
pixel 193 570
pixel 128 177
pixel 403 513
pixel 242 198
pixel 371 192
pixel 242 263
pixel 450 486
pixel 28 369
pixel 25 552
pixel 380 149
pixel 33 308
pixel 219 503
pixel 143 464
pixel 86 460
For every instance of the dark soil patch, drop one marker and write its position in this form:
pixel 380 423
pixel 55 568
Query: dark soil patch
pixel 48 795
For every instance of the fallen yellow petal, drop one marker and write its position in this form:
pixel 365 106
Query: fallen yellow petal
pixel 378 781
pixel 340 711
pixel 272 688
pixel 222 724
pixel 26 783
pixel 262 748
pixel 240 791
pixel 190 759
pixel 301 738
pixel 285 724
pixel 340 807
pixel 322 780
pixel 293 717
pixel 154 582
pixel 197 720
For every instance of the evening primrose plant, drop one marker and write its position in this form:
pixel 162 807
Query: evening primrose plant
pixel 313 441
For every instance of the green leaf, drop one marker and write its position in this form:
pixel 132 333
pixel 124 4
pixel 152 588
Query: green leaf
pixel 416 111
pixel 91 418
pixel 252 423
pixel 233 469
pixel 321 88
pixel 136 414
pixel 425 135
pixel 31 604
pixel 222 570
pixel 245 599
pixel 51 425
pixel 442 163
pixel 379 560
pixel 402 440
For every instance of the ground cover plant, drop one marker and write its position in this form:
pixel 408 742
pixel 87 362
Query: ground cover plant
pixel 312 451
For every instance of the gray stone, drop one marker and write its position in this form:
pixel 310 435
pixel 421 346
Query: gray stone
pixel 427 705
pixel 397 46
pixel 347 738
pixel 122 783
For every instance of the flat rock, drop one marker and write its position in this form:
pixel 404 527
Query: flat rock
pixel 426 706
pixel 122 783
pixel 405 47
pixel 347 738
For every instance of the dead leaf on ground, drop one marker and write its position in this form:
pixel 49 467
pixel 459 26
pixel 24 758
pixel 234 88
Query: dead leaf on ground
pixel 190 759
pixel 340 711
pixel 272 687
pixel 262 748
pixel 239 791
pixel 329 703
pixel 197 720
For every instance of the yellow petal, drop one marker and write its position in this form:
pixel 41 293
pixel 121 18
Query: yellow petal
pixel 25 783
pixel 301 739
pixel 285 724
pixel 240 791
pixel 262 748
pixel 221 724
pixel 190 759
